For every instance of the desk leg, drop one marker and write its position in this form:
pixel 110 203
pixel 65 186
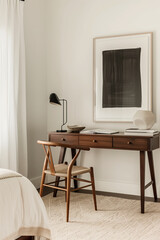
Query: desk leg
pixel 142 178
pixel 151 166
pixel 73 152
pixel 61 160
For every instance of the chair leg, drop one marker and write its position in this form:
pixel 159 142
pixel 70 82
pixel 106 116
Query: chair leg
pixel 68 196
pixel 42 181
pixel 65 188
pixel 93 187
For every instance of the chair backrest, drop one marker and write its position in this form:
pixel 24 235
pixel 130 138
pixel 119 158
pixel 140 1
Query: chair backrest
pixel 49 159
pixel 48 155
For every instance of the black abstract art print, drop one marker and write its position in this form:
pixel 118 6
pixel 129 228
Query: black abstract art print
pixel 121 78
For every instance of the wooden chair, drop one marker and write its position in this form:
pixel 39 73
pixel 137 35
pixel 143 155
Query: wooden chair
pixel 68 172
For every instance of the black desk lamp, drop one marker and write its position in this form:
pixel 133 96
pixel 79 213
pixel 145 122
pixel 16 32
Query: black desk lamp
pixel 53 99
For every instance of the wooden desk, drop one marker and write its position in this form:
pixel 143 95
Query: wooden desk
pixel 116 141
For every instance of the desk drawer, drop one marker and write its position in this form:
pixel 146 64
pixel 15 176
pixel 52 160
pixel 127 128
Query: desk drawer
pixel 65 139
pixel 130 143
pixel 95 141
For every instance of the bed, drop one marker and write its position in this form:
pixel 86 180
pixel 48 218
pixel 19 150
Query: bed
pixel 22 212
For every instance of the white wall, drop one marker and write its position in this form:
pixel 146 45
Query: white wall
pixel 71 26
pixel 35 37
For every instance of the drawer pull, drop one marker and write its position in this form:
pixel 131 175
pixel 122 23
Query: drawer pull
pixel 94 141
pixel 129 143
pixel 63 139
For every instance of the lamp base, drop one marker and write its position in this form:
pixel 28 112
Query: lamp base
pixel 61 131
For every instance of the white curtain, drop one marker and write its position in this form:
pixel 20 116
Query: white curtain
pixel 13 134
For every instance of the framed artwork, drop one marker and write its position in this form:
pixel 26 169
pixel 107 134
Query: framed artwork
pixel 122 70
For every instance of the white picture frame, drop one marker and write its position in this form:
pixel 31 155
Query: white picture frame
pixel 142 41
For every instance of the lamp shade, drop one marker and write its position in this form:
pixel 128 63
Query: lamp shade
pixel 53 99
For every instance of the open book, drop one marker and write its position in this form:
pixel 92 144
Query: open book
pixel 100 131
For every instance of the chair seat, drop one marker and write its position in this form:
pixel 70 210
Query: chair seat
pixel 61 170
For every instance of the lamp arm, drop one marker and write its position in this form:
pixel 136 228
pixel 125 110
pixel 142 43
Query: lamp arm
pixel 64 121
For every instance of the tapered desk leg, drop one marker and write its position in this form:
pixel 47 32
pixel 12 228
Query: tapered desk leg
pixel 151 166
pixel 73 152
pixel 142 178
pixel 61 160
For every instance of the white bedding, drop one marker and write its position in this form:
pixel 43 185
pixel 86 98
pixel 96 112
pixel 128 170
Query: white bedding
pixel 22 212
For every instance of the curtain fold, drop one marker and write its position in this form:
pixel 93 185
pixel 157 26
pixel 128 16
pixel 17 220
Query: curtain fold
pixel 13 134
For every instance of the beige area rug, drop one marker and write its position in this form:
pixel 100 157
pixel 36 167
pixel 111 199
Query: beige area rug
pixel 116 218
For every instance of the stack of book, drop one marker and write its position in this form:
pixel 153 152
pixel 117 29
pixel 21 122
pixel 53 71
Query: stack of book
pixel 140 132
pixel 100 131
